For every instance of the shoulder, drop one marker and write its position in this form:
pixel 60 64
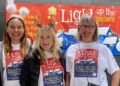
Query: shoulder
pixel 73 47
pixel 104 50
pixel 72 50
pixel 32 56
pixel 103 47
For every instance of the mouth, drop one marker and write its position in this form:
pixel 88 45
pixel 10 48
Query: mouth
pixel 46 44
pixel 16 34
pixel 86 33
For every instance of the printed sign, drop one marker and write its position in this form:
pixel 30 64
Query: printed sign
pixel 86 63
pixel 53 73
pixel 66 17
pixel 13 64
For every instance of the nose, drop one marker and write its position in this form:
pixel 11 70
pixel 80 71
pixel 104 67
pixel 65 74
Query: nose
pixel 44 40
pixel 16 29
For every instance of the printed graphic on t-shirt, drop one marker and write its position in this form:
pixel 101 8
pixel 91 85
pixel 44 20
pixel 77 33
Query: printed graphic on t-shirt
pixel 13 64
pixel 86 62
pixel 52 73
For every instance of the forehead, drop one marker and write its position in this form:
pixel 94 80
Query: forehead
pixel 15 21
pixel 45 32
pixel 87 21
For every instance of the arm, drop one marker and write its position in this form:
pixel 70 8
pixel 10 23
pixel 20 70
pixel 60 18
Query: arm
pixel 68 70
pixel 63 63
pixel 67 79
pixel 113 68
pixel 24 77
pixel 116 78
pixel 70 54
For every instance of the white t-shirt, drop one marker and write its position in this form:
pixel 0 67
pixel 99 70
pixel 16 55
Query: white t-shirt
pixel 12 66
pixel 87 62
pixel 51 74
pixel 10 79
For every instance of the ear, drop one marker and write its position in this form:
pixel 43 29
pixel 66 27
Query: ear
pixel 7 30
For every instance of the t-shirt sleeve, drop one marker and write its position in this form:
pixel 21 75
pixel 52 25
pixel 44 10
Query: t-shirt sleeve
pixel 69 59
pixel 112 65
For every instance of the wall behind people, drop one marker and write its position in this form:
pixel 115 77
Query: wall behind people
pixel 2 27
pixel 101 2
pixel 2 18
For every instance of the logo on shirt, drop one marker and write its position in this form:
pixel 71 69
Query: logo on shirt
pixel 53 73
pixel 13 65
pixel 86 63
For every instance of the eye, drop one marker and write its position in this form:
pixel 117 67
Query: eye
pixel 87 26
pixel 41 37
pixel 48 37
pixel 13 27
pixel 19 27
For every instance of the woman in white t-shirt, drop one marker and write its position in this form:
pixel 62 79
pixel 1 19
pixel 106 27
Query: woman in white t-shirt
pixel 15 48
pixel 88 60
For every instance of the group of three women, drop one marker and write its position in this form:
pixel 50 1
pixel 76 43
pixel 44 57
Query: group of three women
pixel 84 63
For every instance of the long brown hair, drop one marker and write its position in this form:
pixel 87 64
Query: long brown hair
pixel 7 40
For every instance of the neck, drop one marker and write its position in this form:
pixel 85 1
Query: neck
pixel 48 53
pixel 15 42
pixel 87 41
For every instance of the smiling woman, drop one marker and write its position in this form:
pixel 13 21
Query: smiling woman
pixel 15 48
pixel 87 60
pixel 87 29
pixel 15 29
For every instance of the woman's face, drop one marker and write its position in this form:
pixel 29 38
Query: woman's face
pixel 87 32
pixel 15 30
pixel 46 41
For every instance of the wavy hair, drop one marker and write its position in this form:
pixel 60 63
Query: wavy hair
pixel 7 40
pixel 54 47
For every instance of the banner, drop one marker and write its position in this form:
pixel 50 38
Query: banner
pixel 67 16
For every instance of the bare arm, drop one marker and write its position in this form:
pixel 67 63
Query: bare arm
pixel 116 78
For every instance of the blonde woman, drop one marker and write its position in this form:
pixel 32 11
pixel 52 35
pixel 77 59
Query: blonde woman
pixel 15 47
pixel 44 66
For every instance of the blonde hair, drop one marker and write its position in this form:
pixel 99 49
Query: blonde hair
pixel 7 40
pixel 54 48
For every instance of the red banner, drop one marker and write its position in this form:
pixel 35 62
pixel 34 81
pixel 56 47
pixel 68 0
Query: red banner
pixel 67 16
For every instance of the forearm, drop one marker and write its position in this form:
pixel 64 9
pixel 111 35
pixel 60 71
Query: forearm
pixel 116 78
